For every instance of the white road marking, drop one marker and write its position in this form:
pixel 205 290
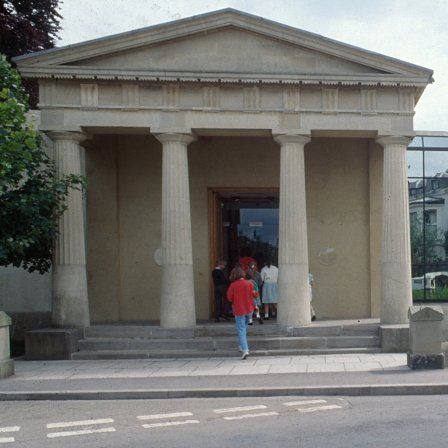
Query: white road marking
pixel 240 409
pixel 176 423
pixel 80 432
pixel 8 429
pixel 260 414
pixel 320 408
pixel 300 403
pixel 170 415
pixel 99 421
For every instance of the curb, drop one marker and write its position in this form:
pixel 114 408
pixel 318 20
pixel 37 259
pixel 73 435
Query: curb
pixel 159 394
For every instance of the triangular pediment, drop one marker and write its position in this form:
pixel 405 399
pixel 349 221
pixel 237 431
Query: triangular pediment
pixel 229 50
pixel 226 43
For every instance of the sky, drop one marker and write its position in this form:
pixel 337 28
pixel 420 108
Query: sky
pixel 415 31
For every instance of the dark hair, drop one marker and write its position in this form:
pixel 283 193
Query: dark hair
pixel 246 252
pixel 253 265
pixel 268 263
pixel 236 274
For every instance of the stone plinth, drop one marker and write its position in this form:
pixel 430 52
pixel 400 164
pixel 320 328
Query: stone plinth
pixel 425 338
pixel 394 338
pixel 52 343
pixel 6 363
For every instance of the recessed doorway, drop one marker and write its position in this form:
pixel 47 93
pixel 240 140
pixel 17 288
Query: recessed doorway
pixel 243 222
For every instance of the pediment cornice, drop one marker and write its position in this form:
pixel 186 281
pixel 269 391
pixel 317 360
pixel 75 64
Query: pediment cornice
pixel 50 63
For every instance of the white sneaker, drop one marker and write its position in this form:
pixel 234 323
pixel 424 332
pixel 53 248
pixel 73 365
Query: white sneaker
pixel 245 354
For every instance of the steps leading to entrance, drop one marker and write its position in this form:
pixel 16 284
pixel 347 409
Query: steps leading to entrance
pixel 136 341
pixel 225 343
pixel 157 354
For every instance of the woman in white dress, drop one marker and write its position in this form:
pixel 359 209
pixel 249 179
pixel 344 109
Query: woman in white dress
pixel 269 275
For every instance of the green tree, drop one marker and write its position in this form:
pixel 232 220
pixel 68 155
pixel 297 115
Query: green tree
pixel 32 197
pixel 28 25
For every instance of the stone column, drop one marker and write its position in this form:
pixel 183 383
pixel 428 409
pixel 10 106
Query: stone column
pixel 70 300
pixel 396 288
pixel 294 292
pixel 177 308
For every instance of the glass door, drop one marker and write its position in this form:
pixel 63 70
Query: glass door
pixel 250 228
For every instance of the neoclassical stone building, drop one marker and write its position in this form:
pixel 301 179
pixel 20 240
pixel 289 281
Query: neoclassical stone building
pixel 178 125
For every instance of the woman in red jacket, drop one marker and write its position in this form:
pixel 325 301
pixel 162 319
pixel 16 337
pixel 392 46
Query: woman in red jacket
pixel 241 295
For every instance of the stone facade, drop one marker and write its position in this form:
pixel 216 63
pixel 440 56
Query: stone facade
pixel 312 115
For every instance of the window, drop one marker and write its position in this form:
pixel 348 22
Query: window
pixel 427 162
pixel 430 217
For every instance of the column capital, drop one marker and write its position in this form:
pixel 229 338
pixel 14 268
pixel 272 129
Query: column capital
pixel 292 138
pixel 386 140
pixel 173 137
pixel 67 135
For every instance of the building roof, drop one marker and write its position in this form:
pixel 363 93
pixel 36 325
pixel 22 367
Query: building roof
pixel 86 60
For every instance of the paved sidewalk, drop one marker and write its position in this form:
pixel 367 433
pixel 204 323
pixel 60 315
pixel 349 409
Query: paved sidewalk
pixel 363 374
pixel 152 368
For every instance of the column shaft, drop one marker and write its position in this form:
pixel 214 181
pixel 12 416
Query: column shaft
pixel 294 293
pixel 70 299
pixel 177 296
pixel 396 287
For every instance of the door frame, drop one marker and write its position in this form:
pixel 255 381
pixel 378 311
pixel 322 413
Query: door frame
pixel 214 226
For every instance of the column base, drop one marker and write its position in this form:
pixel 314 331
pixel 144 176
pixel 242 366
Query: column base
pixel 70 301
pixel 294 296
pixel 52 343
pixel 6 368
pixel 394 338
pixel 177 308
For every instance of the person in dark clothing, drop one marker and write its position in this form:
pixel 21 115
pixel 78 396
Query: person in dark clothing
pixel 220 282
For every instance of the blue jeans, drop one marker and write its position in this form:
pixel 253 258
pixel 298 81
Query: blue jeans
pixel 241 323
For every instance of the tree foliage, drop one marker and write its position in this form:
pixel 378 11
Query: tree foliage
pixel 32 197
pixel 28 25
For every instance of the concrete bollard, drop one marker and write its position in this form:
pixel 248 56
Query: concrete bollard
pixel 6 363
pixel 425 337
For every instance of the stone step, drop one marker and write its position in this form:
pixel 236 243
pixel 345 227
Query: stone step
pixel 228 329
pixel 228 343
pixel 165 354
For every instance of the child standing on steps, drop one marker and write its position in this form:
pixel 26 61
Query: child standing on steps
pixel 269 275
pixel 255 277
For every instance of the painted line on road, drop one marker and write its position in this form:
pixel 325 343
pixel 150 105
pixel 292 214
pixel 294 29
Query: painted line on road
pixel 160 416
pixel 8 429
pixel 300 403
pixel 240 409
pixel 79 432
pixel 260 414
pixel 175 423
pixel 99 421
pixel 320 408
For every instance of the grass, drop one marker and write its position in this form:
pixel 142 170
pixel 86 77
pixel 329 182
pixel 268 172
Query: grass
pixel 439 294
